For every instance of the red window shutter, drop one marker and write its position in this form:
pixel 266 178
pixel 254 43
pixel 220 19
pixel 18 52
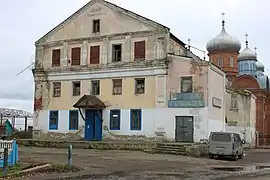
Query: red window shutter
pixel 94 55
pixel 56 56
pixel 139 50
pixel 76 56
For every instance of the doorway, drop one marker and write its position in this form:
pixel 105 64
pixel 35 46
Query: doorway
pixel 184 129
pixel 93 125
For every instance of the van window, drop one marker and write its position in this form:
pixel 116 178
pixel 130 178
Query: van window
pixel 221 137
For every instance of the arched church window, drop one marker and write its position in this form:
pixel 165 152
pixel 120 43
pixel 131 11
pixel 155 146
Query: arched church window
pixel 220 62
pixel 231 62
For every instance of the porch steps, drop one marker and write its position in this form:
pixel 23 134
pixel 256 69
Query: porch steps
pixel 171 148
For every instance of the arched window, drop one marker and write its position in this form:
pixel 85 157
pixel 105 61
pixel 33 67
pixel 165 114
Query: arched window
pixel 231 62
pixel 220 62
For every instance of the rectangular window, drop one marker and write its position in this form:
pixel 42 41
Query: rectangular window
pixel 94 54
pixel 117 86
pixel 116 53
pixel 56 57
pixel 135 119
pixel 76 88
pixel 139 86
pixel 220 62
pixel 186 84
pixel 231 62
pixel 73 120
pixel 95 87
pixel 115 117
pixel 234 104
pixel 139 50
pixel 53 120
pixel 56 89
pixel 76 56
pixel 96 26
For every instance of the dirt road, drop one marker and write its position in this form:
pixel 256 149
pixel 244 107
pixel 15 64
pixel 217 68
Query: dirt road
pixel 137 165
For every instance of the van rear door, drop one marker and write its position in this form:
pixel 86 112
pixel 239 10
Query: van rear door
pixel 221 143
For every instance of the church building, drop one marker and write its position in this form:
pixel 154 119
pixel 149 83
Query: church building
pixel 244 71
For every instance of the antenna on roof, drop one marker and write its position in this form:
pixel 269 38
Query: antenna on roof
pixel 189 43
pixel 27 67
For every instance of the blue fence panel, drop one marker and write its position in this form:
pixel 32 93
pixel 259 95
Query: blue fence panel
pixel 12 152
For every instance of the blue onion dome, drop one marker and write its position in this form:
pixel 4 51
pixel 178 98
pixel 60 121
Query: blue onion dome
pixel 247 54
pixel 260 66
pixel 223 42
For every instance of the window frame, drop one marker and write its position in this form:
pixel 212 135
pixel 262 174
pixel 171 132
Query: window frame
pixel 92 92
pixel 96 30
pixel 234 103
pixel 231 61
pixel 70 120
pixel 75 61
pixel 139 54
pixel 120 86
pixel 74 88
pixel 136 85
pixel 54 64
pixel 112 120
pixel 132 125
pixel 184 78
pixel 53 126
pixel 220 61
pixel 54 89
pixel 114 54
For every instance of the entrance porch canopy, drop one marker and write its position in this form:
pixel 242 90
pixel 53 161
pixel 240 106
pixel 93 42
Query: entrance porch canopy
pixel 89 102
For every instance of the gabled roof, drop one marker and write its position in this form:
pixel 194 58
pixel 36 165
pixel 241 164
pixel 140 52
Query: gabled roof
pixel 108 4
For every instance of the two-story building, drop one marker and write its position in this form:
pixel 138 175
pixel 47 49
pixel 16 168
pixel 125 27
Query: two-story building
pixel 106 69
pixel 241 114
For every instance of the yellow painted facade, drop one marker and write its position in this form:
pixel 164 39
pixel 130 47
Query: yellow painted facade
pixel 127 100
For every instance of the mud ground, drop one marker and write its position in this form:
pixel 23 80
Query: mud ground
pixel 129 165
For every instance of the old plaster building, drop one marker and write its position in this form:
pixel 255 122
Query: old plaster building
pixel 244 71
pixel 240 114
pixel 106 70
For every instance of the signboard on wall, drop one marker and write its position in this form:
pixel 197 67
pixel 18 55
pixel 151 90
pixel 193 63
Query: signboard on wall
pixel 216 102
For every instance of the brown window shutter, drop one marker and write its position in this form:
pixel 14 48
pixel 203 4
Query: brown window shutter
pixel 76 56
pixel 139 50
pixel 94 55
pixel 56 56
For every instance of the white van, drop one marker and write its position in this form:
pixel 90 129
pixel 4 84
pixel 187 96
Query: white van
pixel 226 144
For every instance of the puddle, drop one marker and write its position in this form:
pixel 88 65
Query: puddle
pixel 228 168
pixel 241 168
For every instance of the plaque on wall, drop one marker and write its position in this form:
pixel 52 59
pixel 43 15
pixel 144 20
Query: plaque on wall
pixel 216 102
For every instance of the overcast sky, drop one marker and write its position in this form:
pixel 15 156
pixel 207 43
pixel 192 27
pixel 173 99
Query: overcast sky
pixel 23 22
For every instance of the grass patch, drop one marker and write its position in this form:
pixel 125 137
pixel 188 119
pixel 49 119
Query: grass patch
pixel 12 169
pixel 17 170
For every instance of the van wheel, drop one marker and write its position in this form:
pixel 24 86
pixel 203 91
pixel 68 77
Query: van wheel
pixel 235 157
pixel 211 156
pixel 241 156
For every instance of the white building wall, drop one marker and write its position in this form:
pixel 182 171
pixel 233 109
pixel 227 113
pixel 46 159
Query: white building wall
pixel 153 120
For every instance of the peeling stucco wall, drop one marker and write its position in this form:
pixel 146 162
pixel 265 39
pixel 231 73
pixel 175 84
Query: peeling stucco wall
pixel 182 66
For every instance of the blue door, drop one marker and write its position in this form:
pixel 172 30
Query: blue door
pixel 93 125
